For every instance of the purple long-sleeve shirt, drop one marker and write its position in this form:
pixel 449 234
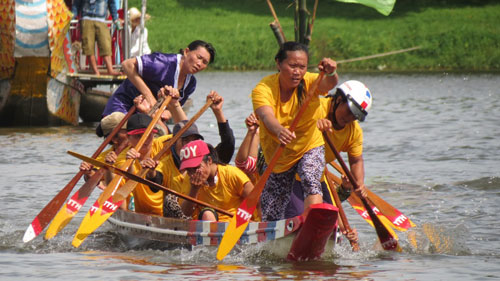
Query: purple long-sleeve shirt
pixel 157 70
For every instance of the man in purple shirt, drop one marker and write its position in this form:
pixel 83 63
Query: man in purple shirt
pixel 148 73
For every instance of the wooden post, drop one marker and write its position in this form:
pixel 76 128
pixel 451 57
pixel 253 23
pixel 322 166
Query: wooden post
pixel 303 16
pixel 275 27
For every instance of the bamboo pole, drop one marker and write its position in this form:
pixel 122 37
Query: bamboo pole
pixel 275 27
pixel 308 37
pixel 303 20
pixel 276 19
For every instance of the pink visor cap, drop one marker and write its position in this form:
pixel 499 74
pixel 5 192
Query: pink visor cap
pixel 192 154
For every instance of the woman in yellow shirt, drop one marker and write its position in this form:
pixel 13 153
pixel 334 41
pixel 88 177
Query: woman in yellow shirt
pixel 276 100
pixel 217 184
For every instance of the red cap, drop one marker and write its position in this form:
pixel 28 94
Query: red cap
pixel 192 153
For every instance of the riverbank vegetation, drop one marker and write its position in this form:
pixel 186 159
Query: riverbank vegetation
pixel 453 35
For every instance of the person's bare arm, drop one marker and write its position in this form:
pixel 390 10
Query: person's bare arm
pixel 247 188
pixel 216 106
pixel 266 115
pixel 250 144
pixel 331 78
pixel 174 107
pixel 358 171
pixel 130 69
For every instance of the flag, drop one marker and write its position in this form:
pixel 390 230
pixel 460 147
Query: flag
pixel 382 6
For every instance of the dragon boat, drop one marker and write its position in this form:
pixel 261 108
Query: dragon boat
pixel 304 236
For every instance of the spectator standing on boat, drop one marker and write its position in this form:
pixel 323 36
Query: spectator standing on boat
pixel 212 182
pixel 276 100
pixel 93 15
pixel 148 73
pixel 118 143
pixel 168 173
pixel 135 33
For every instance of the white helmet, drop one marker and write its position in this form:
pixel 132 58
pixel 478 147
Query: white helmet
pixel 359 98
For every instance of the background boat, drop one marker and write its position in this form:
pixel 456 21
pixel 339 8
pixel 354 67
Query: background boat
pixel 42 75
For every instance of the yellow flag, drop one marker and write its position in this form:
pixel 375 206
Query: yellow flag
pixel 382 6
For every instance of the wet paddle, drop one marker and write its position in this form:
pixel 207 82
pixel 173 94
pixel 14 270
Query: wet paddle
pixel 239 223
pixel 396 219
pixel 138 179
pixel 387 240
pixel 50 210
pixel 114 200
pixel 99 206
pixel 356 204
pixel 76 202
pixel 331 184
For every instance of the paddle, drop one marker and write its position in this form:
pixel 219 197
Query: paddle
pixel 238 223
pixel 356 204
pixel 129 186
pixel 115 182
pixel 397 219
pixel 76 202
pixel 49 211
pixel 386 239
pixel 137 178
pixel 354 244
pixel 103 211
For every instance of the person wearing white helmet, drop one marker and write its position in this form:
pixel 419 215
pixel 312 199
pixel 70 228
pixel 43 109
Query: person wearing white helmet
pixel 350 104
pixel 342 111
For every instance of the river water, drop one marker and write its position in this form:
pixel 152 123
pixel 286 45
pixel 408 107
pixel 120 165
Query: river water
pixel 432 150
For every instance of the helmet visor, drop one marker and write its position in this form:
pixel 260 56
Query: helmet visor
pixel 356 109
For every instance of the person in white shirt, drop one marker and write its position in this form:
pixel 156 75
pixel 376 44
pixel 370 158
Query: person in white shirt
pixel 135 33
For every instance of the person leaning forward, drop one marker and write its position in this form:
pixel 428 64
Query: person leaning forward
pixel 148 73
pixel 220 185
pixel 167 171
pixel 276 99
pixel 146 200
pixel 341 112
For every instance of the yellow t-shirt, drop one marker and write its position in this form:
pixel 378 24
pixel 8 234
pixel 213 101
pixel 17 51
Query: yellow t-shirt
pixel 102 156
pixel 172 177
pixel 145 200
pixel 267 92
pixel 226 194
pixel 349 139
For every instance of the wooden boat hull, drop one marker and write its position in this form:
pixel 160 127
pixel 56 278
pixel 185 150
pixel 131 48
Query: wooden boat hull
pixel 193 232
pixel 31 98
pixel 92 105
pixel 310 241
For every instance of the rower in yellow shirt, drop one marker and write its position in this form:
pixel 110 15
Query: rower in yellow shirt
pixel 276 100
pixel 340 113
pixel 213 182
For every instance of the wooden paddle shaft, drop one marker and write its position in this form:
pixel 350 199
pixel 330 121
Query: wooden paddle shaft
pixel 343 217
pixel 50 210
pixel 384 207
pixel 130 185
pixel 387 240
pixel 113 185
pixel 171 141
pixel 137 178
